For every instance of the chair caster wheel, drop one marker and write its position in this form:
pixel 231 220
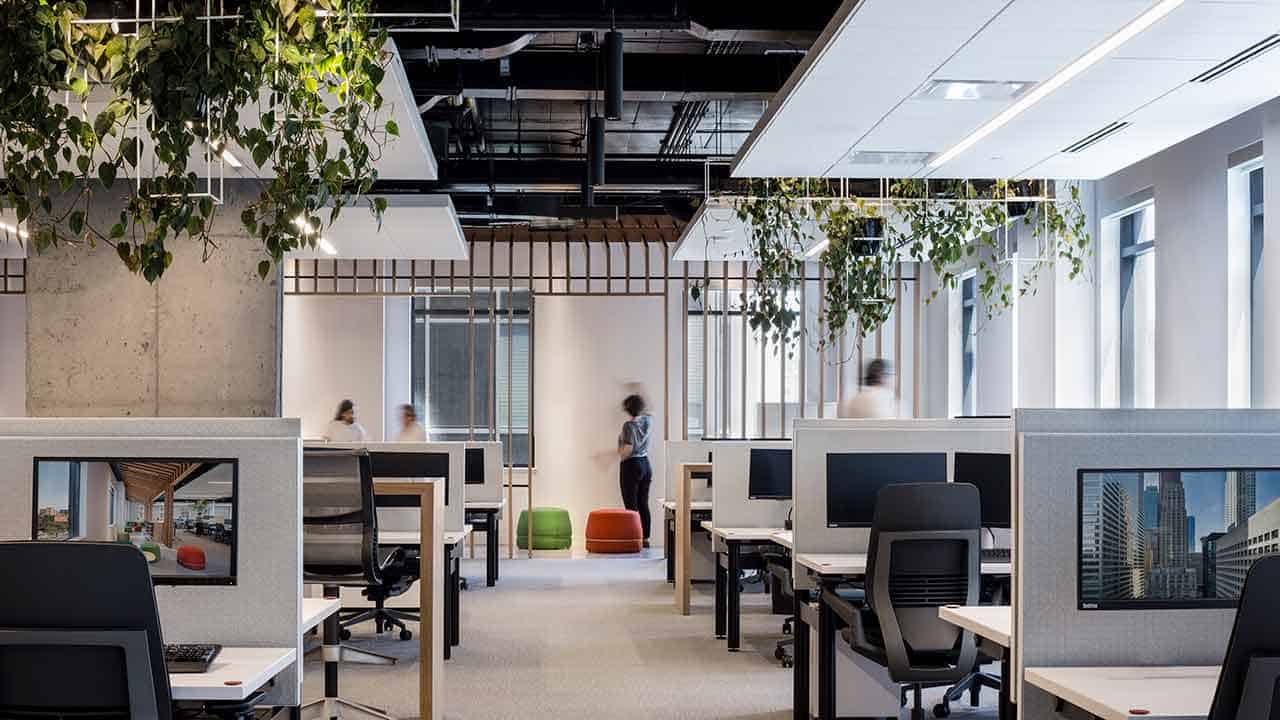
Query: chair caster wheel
pixel 780 654
pixel 463 583
pixel 788 663
pixel 406 635
pixel 940 710
pixel 345 634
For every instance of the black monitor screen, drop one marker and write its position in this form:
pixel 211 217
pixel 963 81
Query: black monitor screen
pixel 990 473
pixel 769 475
pixel 701 475
pixel 854 480
pixel 410 465
pixel 1173 538
pixel 475 466
pixel 179 513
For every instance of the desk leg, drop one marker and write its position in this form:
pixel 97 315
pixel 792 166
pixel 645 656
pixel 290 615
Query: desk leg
pixel 668 547
pixel 826 661
pixel 721 589
pixel 491 549
pixel 734 606
pixel 446 585
pixel 800 701
pixel 1006 710
pixel 332 649
pixel 455 589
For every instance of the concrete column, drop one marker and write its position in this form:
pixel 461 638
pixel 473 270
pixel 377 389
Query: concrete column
pixel 204 341
pixel 1270 270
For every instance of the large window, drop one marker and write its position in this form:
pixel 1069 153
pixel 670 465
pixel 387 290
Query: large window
pixel 59 501
pixel 969 345
pixel 471 357
pixel 1137 308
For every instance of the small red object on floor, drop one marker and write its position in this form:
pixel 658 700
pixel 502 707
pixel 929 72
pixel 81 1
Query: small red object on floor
pixel 614 530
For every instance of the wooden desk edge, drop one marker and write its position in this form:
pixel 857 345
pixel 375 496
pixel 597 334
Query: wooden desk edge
pixel 684 545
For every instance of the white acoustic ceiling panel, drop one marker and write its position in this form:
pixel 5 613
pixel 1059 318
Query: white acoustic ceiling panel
pixel 414 227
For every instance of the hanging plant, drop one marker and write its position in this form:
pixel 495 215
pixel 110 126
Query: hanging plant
pixel 170 91
pixel 779 219
pixel 859 271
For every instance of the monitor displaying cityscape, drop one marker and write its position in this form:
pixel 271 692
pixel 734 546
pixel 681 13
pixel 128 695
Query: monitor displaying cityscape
pixel 179 513
pixel 1173 538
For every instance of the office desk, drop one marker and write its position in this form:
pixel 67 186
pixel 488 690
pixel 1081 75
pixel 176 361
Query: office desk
pixel 483 515
pixel 683 533
pixel 830 570
pixel 700 510
pixel 452 576
pixel 994 624
pixel 251 668
pixel 728 590
pixel 314 612
pixel 1111 693
pixel 785 538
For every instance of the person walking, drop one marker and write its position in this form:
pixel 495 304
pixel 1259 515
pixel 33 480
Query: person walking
pixel 635 473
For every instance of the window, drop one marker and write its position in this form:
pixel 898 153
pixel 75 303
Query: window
pixel 1255 287
pixel 1137 308
pixel 470 368
pixel 969 345
pixel 59 501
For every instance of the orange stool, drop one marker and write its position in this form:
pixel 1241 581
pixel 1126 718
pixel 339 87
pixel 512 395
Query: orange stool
pixel 614 530
pixel 191 557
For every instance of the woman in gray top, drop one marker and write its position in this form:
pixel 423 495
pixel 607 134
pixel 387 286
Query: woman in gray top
pixel 633 447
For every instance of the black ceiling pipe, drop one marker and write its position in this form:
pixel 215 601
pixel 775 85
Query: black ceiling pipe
pixel 613 75
pixel 595 151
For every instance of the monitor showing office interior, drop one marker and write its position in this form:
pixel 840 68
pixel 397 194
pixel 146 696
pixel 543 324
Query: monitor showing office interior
pixel 989 472
pixel 179 513
pixel 1173 538
pixel 854 480
pixel 474 461
pixel 769 474
pixel 411 466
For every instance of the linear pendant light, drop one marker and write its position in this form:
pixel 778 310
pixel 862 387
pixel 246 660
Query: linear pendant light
pixel 1041 91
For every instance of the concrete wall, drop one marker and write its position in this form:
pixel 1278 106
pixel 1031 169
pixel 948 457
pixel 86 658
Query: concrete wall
pixel 13 355
pixel 202 341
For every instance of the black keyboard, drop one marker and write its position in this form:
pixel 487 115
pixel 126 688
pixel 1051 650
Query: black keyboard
pixel 997 555
pixel 190 658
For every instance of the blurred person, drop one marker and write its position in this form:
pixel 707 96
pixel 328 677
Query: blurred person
pixel 410 429
pixel 343 427
pixel 875 399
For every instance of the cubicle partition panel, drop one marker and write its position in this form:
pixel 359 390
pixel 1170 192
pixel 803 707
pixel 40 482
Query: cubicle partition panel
pixel 491 490
pixel 680 452
pixel 1050 627
pixel 456 492
pixel 263 608
pixel 814 439
pixel 730 505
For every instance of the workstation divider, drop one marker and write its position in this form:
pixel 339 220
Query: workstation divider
pixel 680 452
pixel 731 506
pixel 457 492
pixel 264 606
pixel 491 489
pixel 1051 630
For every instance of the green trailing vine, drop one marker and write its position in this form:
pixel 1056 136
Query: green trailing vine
pixel 105 127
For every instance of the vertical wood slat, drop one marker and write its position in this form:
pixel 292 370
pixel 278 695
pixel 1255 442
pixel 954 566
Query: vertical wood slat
pixel 744 350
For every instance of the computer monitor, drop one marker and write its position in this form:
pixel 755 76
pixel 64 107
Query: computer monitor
pixel 474 460
pixel 854 480
pixel 180 513
pixel 701 475
pixel 769 474
pixel 989 472
pixel 1155 538
pixel 394 465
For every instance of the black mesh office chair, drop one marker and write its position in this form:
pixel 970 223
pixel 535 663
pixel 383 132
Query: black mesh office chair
pixel 923 554
pixel 1248 687
pixel 340 539
pixel 79 633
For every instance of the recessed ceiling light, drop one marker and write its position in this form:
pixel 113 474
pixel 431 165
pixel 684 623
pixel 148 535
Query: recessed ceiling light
pixel 972 89
pixel 888 157
pixel 1063 76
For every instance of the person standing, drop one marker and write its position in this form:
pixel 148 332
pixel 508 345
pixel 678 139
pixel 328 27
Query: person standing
pixel 343 427
pixel 635 473
pixel 875 399
pixel 410 429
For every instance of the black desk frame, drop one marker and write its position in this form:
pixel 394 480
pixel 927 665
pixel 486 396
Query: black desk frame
pixel 486 520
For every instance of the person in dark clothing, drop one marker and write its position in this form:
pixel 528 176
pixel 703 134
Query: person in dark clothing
pixel 636 474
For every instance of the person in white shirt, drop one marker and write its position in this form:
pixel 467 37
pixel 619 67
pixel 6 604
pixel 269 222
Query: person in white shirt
pixel 410 429
pixel 343 427
pixel 876 399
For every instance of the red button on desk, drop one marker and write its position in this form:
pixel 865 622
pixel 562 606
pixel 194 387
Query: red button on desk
pixel 237 682
pixel 1139 711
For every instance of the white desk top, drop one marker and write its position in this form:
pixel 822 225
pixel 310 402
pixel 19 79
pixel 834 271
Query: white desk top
pixel 454 537
pixel 856 564
pixel 694 505
pixel 1110 693
pixel 414 537
pixel 485 504
pixel 250 668
pixel 744 534
pixel 783 538
pixel 989 622
pixel 316 610
pixel 707 525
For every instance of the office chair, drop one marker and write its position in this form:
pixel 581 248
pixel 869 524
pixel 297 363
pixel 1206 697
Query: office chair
pixel 83 638
pixel 340 539
pixel 779 568
pixel 1247 687
pixel 923 554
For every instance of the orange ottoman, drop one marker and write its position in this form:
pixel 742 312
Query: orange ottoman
pixel 614 530
pixel 191 557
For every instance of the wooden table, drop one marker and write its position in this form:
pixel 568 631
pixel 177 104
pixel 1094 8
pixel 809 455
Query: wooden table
pixel 1111 693
pixel 993 623
pixel 684 545
pixel 698 509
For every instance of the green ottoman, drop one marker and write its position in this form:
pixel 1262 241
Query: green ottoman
pixel 151 551
pixel 552 529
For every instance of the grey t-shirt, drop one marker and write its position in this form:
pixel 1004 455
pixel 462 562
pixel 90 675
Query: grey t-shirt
pixel 636 434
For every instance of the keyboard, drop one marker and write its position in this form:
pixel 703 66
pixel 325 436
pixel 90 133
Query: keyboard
pixel 190 658
pixel 997 555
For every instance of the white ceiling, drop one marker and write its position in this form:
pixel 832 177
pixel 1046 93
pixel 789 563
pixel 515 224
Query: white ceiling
pixel 715 233
pixel 414 227
pixel 854 92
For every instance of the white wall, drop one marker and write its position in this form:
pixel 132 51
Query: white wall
pixel 13 355
pixel 333 349
pixel 397 332
pixel 586 353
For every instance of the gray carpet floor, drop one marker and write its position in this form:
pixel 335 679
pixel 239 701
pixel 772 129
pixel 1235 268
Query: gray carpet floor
pixel 597 637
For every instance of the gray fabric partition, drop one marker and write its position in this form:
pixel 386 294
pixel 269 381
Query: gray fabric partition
pixel 264 607
pixel 680 452
pixel 454 512
pixel 730 506
pixel 1053 445
pixel 494 470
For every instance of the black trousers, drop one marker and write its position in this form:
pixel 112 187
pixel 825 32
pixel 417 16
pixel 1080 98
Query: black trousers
pixel 635 476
